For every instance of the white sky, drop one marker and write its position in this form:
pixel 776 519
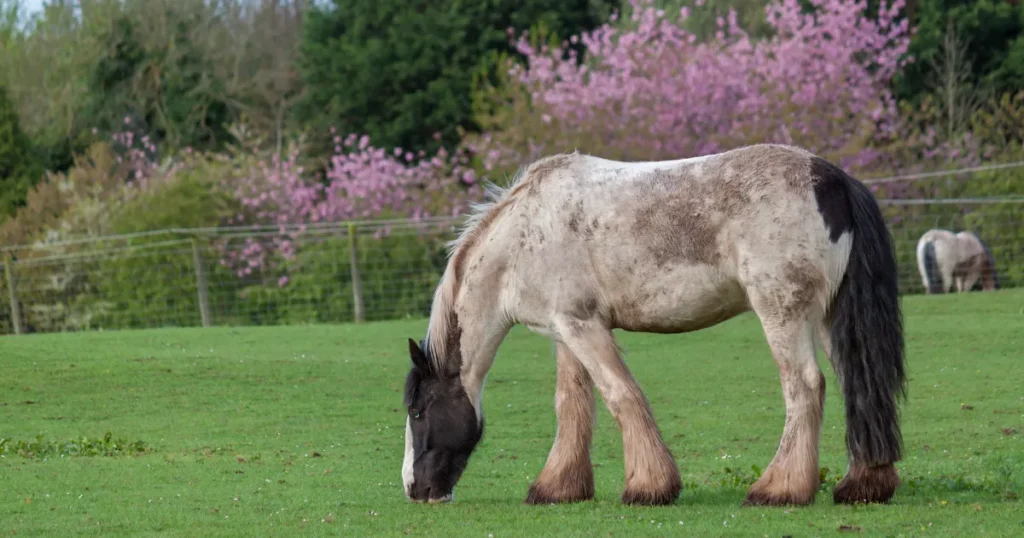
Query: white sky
pixel 32 6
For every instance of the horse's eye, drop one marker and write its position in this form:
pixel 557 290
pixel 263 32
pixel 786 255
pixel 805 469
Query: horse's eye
pixel 414 413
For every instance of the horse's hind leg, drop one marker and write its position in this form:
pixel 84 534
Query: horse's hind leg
pixel 948 280
pixel 568 475
pixel 792 477
pixel 651 474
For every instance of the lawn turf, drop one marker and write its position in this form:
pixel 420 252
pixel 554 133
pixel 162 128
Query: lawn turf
pixel 297 431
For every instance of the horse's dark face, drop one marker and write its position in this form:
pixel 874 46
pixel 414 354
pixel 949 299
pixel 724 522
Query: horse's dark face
pixel 441 430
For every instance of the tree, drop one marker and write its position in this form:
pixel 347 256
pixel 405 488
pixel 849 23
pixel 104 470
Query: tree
pixel 44 56
pixel 156 63
pixel 652 90
pixel 262 80
pixel 400 71
pixel 19 168
pixel 184 68
pixel 957 96
pixel 993 31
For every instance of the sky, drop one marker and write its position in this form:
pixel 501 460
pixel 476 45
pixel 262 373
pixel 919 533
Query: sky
pixel 32 6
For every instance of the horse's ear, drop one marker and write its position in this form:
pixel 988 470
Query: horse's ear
pixel 419 358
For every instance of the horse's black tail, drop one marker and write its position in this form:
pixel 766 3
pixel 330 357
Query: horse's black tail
pixel 931 268
pixel 991 263
pixel 865 319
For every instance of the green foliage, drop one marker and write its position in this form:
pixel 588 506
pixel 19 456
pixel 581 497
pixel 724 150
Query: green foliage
pixel 143 285
pixel 42 448
pixel 749 14
pixel 161 76
pixel 19 169
pixel 183 68
pixel 401 72
pixel 992 31
pixel 398 275
pixel 191 198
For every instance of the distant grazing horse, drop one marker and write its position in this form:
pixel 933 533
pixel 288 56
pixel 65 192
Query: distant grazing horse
pixel 580 245
pixel 944 258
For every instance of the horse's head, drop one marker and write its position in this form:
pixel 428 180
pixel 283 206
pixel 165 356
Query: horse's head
pixel 441 430
pixel 989 274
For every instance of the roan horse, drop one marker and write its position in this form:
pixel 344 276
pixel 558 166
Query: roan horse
pixel 944 258
pixel 579 246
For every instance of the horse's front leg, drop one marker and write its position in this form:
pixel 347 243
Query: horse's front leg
pixel 568 475
pixel 652 477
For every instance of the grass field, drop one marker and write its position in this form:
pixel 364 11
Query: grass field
pixel 296 431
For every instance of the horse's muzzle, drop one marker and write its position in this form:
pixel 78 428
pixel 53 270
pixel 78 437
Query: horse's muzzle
pixel 427 496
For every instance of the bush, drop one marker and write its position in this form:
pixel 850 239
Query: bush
pixel 362 182
pixel 61 206
pixel 149 285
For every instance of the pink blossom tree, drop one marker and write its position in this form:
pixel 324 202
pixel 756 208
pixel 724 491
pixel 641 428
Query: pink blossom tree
pixel 362 183
pixel 652 90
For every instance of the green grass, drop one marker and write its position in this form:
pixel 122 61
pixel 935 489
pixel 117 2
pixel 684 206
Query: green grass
pixel 295 431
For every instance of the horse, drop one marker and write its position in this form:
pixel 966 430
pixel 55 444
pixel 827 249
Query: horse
pixel 578 246
pixel 945 258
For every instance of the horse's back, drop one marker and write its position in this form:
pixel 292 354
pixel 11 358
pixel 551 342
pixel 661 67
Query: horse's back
pixel 668 246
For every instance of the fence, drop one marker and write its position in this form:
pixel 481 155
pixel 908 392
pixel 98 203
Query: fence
pixel 340 272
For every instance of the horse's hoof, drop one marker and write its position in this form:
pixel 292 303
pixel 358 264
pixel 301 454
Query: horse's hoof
pixel 763 498
pixel 650 498
pixel 867 485
pixel 783 487
pixel 540 494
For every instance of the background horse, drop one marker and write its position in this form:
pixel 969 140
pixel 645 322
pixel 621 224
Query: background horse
pixel 944 258
pixel 579 246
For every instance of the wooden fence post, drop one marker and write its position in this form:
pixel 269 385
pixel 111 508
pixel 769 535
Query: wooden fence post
pixel 357 284
pixel 12 293
pixel 202 287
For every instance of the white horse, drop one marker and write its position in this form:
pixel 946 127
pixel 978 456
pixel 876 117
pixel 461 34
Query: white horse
pixel 945 258
pixel 580 245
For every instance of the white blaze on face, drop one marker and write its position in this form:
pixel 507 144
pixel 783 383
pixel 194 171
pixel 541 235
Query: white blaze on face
pixel 407 476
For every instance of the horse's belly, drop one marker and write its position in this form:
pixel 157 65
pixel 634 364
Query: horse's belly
pixel 687 300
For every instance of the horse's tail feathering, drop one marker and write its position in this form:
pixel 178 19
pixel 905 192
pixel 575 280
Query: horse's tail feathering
pixel 930 267
pixel 867 334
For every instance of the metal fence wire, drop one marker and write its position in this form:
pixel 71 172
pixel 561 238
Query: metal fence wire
pixel 336 272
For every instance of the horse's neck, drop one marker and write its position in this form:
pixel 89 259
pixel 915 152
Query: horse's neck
pixel 473 330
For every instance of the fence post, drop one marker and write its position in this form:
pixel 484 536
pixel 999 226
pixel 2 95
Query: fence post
pixel 357 283
pixel 201 285
pixel 12 293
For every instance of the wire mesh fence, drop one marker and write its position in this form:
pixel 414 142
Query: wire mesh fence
pixel 332 273
pixel 997 223
pixel 335 272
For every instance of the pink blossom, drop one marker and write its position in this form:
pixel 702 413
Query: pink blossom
pixel 363 182
pixel 652 90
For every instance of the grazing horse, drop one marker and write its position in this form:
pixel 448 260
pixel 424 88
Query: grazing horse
pixel 580 245
pixel 944 258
